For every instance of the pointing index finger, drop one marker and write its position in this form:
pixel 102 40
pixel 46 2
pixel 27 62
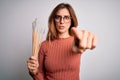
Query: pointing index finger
pixel 77 34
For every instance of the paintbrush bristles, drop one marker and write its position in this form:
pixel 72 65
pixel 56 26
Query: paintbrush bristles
pixel 34 23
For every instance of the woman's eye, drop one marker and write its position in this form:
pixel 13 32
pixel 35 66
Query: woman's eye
pixel 57 17
pixel 66 17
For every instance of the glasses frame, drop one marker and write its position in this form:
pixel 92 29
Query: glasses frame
pixel 66 18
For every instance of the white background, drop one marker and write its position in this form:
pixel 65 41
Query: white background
pixel 102 17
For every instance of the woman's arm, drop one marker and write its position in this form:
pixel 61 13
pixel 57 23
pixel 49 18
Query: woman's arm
pixel 40 74
pixel 36 66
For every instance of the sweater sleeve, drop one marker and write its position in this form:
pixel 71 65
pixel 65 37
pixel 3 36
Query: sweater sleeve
pixel 41 55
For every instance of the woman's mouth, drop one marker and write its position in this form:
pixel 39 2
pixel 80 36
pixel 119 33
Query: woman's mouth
pixel 61 27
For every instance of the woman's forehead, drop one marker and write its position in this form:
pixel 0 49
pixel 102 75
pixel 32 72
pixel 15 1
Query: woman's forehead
pixel 63 11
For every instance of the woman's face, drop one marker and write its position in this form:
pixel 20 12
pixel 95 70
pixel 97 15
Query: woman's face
pixel 63 21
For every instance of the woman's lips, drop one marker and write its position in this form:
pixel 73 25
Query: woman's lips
pixel 61 27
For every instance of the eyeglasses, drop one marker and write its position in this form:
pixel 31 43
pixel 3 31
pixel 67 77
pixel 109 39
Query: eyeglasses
pixel 66 18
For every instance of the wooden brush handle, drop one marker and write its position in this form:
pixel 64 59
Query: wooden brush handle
pixel 35 43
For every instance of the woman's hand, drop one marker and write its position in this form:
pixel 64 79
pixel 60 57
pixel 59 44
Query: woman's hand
pixel 33 65
pixel 83 40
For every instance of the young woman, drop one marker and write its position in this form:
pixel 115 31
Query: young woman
pixel 59 56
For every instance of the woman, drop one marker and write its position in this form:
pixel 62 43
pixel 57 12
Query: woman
pixel 59 56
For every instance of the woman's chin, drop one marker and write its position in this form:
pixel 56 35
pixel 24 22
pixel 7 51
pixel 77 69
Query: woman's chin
pixel 61 31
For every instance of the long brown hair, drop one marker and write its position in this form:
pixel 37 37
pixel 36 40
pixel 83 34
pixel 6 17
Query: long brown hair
pixel 52 32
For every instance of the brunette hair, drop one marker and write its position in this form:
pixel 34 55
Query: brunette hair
pixel 52 32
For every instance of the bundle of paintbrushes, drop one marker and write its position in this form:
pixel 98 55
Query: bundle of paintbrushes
pixel 37 37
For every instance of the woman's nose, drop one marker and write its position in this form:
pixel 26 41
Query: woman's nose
pixel 61 20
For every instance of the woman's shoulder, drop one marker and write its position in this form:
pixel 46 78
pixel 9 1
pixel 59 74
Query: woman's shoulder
pixel 43 45
pixel 45 42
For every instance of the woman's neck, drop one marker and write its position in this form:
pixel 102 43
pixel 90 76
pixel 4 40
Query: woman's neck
pixel 64 35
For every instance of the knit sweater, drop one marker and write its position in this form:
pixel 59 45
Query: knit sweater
pixel 57 61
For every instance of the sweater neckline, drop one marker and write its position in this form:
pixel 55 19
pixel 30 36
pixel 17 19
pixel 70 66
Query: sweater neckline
pixel 64 38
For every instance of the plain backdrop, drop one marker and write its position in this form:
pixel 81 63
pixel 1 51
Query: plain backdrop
pixel 101 17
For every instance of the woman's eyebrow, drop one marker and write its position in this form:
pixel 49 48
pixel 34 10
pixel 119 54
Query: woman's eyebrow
pixel 62 15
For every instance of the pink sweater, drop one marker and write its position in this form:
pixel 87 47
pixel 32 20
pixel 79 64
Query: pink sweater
pixel 57 61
